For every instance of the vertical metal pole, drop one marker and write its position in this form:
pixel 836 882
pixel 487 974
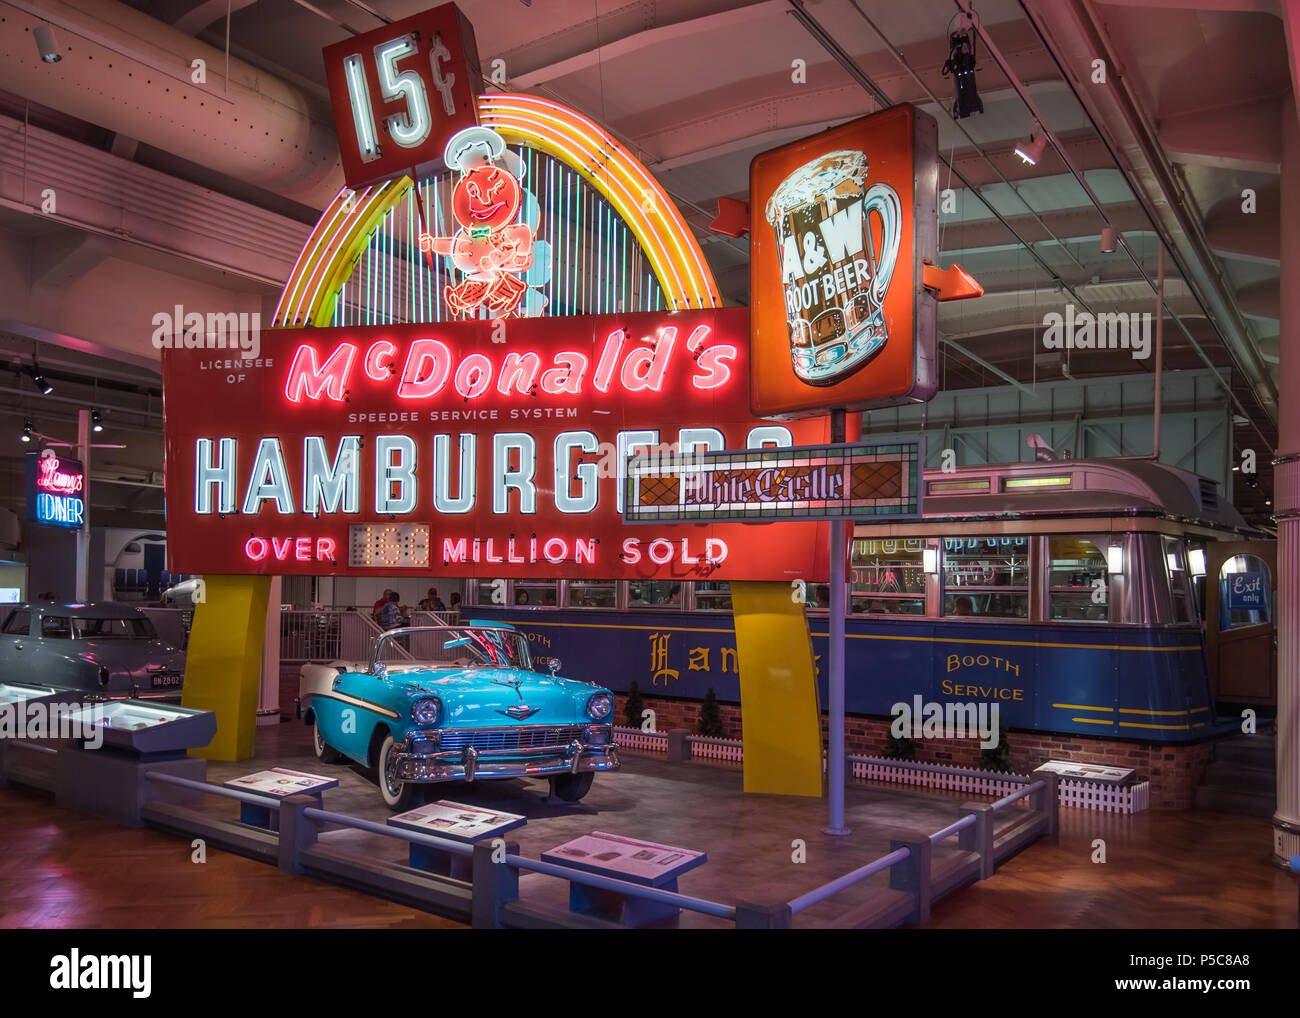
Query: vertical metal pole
pixel 1160 343
pixel 83 533
pixel 835 681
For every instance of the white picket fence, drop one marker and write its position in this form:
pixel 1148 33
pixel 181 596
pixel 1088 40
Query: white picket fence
pixel 1105 798
pixel 977 782
pixel 709 748
pixel 646 742
pixel 1075 793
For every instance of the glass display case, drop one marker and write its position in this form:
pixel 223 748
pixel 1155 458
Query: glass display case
pixel 23 692
pixel 147 730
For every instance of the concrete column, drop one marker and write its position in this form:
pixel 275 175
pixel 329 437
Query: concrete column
pixel 1286 502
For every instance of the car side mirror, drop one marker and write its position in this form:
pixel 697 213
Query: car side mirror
pixel 554 665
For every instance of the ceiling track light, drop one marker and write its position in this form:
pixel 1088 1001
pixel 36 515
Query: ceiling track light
pixel 27 430
pixel 96 421
pixel 1109 240
pixel 39 380
pixel 1031 149
pixel 45 43
pixel 961 65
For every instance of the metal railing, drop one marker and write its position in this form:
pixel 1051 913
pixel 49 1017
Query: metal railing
pixel 1043 795
pixel 685 901
pixel 293 847
pixel 356 823
pixel 1021 793
pixel 956 827
pixel 817 894
pixel 207 789
pixel 332 634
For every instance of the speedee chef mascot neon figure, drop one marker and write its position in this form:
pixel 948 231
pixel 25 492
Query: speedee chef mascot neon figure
pixel 489 248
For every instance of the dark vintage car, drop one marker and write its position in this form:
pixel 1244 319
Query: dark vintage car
pixel 109 649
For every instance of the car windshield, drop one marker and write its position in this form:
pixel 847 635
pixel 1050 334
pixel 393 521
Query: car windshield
pixel 111 629
pixel 456 647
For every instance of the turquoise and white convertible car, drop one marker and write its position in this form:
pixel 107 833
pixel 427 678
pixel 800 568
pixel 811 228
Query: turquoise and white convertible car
pixel 458 703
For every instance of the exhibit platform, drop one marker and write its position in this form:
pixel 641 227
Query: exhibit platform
pixel 751 844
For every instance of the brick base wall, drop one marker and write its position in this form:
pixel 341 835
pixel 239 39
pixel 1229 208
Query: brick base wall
pixel 1173 770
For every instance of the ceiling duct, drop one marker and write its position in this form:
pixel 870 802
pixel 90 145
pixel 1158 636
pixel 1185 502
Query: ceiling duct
pixel 129 73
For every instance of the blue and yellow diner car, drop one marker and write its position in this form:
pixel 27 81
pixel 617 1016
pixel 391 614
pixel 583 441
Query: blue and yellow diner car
pixel 1071 592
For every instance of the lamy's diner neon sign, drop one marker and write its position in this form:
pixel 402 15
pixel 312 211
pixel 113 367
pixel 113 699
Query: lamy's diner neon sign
pixel 55 487
pixel 479 448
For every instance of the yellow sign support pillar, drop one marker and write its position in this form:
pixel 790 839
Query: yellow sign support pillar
pixel 223 664
pixel 778 691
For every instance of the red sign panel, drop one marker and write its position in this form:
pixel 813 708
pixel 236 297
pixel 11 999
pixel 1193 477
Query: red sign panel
pixel 481 448
pixel 841 225
pixel 401 91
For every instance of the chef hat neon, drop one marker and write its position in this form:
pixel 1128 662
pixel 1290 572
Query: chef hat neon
pixel 473 146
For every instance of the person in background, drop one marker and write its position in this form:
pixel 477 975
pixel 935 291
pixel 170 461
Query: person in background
pixel 379 605
pixel 521 597
pixel 432 602
pixel 454 597
pixel 390 616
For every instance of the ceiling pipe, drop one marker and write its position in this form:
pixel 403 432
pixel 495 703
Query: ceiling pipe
pixel 846 61
pixel 129 73
pixel 1208 284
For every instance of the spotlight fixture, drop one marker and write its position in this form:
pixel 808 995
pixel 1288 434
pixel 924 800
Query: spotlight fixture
pixel 39 381
pixel 96 421
pixel 44 36
pixel 1109 240
pixel 27 430
pixel 1031 150
pixel 961 65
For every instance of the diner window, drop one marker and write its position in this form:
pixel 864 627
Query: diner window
pixel 1179 583
pixel 654 594
pixel 888 577
pixel 591 594
pixel 1078 584
pixel 534 593
pixel 1245 593
pixel 491 592
pixel 712 596
pixel 986 577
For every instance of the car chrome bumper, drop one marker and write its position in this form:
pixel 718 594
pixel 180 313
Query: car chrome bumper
pixel 470 763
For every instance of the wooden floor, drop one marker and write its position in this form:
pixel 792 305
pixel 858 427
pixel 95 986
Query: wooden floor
pixel 1192 870
pixel 60 869
pixel 1164 870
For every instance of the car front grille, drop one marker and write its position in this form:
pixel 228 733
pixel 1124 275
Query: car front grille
pixel 530 737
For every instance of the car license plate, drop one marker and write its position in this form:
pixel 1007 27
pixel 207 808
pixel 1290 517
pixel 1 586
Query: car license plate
pixel 166 681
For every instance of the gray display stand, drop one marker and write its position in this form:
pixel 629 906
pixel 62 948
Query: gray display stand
pixel 628 859
pixel 137 738
pixel 112 785
pixel 276 784
pixel 455 822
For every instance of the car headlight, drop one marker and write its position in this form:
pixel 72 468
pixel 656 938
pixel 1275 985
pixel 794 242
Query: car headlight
pixel 601 705
pixel 426 711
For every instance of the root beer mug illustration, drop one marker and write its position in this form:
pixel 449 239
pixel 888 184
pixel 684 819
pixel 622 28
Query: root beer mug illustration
pixel 834 271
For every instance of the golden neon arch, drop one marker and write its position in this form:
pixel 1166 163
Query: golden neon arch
pixel 345 226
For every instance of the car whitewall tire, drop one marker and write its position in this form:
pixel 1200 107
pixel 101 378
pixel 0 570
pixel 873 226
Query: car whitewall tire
pixel 399 796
